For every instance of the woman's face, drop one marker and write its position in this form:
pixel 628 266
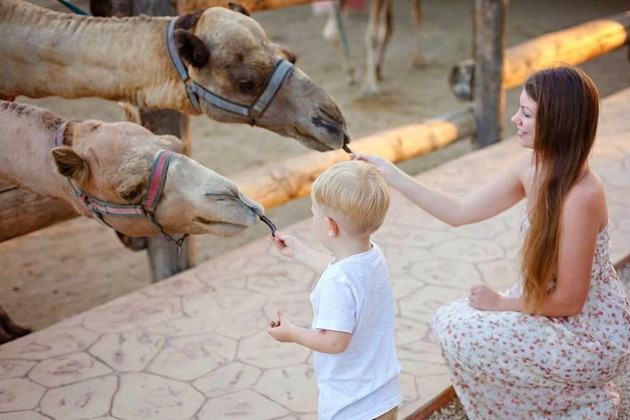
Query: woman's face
pixel 525 120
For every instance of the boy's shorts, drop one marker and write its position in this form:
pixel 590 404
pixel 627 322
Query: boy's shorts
pixel 390 415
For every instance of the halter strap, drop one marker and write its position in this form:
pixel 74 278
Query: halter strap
pixel 157 180
pixel 195 91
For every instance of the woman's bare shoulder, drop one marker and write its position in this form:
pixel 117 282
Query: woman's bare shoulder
pixel 587 199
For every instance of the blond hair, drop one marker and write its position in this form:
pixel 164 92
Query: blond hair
pixel 356 192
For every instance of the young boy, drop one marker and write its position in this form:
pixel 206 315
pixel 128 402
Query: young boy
pixel 352 334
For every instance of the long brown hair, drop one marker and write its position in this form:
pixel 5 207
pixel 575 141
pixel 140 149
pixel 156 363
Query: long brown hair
pixel 566 122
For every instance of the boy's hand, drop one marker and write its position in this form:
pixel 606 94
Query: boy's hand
pixel 287 245
pixel 281 329
pixel 387 168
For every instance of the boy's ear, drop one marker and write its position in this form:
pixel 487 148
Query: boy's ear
pixel 333 227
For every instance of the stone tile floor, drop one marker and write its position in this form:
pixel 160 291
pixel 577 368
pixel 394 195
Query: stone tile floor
pixel 195 347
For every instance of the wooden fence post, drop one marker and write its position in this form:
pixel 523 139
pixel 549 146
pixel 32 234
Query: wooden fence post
pixel 165 259
pixel 489 44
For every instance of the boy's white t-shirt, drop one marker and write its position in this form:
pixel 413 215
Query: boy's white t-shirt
pixel 354 295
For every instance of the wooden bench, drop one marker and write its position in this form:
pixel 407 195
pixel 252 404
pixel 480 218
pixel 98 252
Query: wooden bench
pixel 195 347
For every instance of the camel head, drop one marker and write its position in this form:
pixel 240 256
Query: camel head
pixel 112 162
pixel 228 54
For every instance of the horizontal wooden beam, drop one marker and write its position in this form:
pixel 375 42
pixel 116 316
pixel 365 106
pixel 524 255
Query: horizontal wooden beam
pixel 291 178
pixel 186 6
pixel 22 212
pixel 575 45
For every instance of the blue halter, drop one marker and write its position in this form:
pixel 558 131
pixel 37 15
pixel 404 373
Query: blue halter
pixel 196 92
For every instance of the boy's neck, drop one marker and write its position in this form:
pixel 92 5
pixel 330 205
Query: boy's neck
pixel 351 246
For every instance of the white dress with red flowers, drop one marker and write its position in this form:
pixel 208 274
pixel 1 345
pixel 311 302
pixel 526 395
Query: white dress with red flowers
pixel 510 366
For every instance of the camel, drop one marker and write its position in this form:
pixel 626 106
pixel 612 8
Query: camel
pixel 377 35
pixel 223 65
pixel 112 164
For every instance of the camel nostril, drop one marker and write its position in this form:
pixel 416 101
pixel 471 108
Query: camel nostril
pixel 333 116
pixel 332 129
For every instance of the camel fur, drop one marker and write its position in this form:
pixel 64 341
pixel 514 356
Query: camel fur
pixel 47 53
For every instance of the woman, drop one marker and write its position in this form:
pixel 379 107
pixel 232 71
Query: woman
pixel 550 347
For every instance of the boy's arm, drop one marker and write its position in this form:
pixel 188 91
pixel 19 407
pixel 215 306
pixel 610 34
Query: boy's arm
pixel 323 341
pixel 290 247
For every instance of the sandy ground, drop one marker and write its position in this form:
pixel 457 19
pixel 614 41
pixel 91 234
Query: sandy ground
pixel 56 272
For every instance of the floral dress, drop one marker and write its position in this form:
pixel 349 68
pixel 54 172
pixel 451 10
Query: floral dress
pixel 510 366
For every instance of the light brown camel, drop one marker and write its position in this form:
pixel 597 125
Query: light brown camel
pixel 377 35
pixel 46 53
pixel 112 163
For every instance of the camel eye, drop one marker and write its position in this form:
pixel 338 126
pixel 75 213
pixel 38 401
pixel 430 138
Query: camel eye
pixel 246 87
pixel 220 196
pixel 130 193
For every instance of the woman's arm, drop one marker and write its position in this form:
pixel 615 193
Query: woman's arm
pixel 323 341
pixel 491 199
pixel 584 214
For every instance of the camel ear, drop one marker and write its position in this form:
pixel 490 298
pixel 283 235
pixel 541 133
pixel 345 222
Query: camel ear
pixel 239 8
pixel 173 143
pixel 131 112
pixel 287 53
pixel 69 163
pixel 191 48
pixel 68 134
pixel 189 20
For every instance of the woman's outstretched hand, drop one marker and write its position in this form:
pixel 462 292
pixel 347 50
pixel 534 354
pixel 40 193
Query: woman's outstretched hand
pixel 387 168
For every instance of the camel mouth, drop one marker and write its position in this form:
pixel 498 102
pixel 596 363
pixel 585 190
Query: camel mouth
pixel 221 225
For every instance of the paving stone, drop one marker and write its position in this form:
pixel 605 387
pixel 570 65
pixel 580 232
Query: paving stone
pixel 19 394
pixel 81 400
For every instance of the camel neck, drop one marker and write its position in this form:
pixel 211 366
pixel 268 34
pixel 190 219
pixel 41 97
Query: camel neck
pixel 79 56
pixel 26 160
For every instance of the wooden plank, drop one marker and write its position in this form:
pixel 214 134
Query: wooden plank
pixel 23 211
pixel 575 45
pixel 186 6
pixel 432 406
pixel 165 258
pixel 489 38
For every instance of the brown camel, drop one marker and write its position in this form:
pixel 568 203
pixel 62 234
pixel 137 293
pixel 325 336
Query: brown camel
pixel 113 165
pixel 236 74
pixel 377 35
